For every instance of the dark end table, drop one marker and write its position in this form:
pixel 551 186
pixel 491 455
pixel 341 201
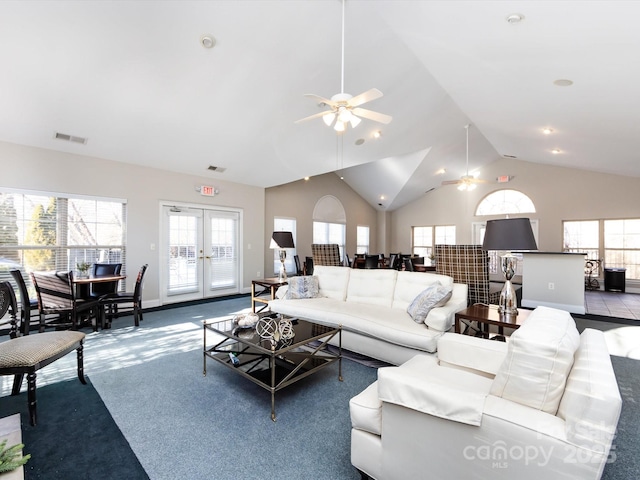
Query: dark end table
pixel 489 315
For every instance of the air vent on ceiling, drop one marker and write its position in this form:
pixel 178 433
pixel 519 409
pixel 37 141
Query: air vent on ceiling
pixel 70 138
pixel 216 169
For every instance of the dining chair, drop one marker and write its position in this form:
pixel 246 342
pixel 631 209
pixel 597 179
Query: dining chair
pixel 371 261
pixel 299 270
pixel 27 305
pixel 308 265
pixel 110 303
pixel 408 264
pixel 57 296
pixel 8 302
pixel 393 261
pixel 24 355
pixel 104 270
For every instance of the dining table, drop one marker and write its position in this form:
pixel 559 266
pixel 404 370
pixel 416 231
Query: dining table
pixel 83 284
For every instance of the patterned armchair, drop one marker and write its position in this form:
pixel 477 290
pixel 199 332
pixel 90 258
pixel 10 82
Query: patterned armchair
pixel 326 254
pixel 467 264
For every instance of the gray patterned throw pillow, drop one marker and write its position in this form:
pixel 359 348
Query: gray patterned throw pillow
pixel 303 287
pixel 435 295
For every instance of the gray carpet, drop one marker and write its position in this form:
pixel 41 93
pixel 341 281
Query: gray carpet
pixel 182 424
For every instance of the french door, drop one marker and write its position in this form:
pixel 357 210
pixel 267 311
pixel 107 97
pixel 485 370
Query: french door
pixel 200 253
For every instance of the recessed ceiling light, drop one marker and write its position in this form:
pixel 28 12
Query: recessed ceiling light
pixel 563 82
pixel 207 41
pixel 377 134
pixel 515 18
pixel 381 197
pixel 306 179
pixel 442 171
pixel 555 151
pixel 547 131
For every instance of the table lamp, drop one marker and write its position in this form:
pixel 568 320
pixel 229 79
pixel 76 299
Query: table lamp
pixel 509 234
pixel 282 240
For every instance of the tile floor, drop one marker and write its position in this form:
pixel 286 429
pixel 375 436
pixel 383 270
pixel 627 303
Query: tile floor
pixel 613 304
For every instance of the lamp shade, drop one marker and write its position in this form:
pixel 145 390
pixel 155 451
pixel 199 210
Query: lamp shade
pixel 509 234
pixel 282 240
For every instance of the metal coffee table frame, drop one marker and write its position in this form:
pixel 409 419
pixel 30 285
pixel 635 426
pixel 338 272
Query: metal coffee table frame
pixel 273 367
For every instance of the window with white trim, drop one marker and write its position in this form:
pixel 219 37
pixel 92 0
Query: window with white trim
pixel 40 232
pixel 324 232
pixel 424 238
pixel 362 239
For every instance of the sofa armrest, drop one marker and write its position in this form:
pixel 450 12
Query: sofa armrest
pixel 441 318
pixel 471 353
pixel 442 392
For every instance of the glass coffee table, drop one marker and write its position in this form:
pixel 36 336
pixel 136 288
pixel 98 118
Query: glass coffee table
pixel 271 364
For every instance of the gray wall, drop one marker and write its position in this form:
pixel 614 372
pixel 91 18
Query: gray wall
pixel 143 188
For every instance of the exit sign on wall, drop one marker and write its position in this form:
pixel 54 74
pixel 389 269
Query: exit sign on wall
pixel 207 191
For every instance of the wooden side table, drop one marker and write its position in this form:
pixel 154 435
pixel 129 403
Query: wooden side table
pixel 488 315
pixel 268 285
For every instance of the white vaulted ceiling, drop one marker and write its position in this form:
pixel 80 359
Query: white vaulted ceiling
pixel 133 78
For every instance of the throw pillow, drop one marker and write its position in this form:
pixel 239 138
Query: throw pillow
pixel 435 295
pixel 303 287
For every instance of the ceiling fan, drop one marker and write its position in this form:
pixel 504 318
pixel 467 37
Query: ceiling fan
pixel 467 182
pixel 345 109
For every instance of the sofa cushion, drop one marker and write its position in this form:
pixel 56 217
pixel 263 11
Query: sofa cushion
pixel 372 286
pixel 332 281
pixel 539 359
pixel 303 287
pixel 410 284
pixel 435 295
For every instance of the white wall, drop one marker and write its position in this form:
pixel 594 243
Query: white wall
pixel 143 188
pixel 553 280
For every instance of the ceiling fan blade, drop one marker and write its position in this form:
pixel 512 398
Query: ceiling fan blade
pixel 375 116
pixel 478 180
pixel 320 99
pixel 451 182
pixel 365 97
pixel 311 117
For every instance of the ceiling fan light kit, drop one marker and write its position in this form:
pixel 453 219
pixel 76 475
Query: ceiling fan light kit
pixel 345 108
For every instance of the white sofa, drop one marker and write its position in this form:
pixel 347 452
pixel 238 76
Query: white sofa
pixel 371 305
pixel 544 405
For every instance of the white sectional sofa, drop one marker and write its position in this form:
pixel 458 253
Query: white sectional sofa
pixel 371 305
pixel 543 405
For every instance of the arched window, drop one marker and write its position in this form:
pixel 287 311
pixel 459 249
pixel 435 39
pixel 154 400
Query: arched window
pixel 504 202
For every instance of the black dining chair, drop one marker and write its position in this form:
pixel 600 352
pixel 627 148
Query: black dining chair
pixel 27 305
pixel 299 270
pixel 100 289
pixel 371 261
pixel 308 265
pixel 110 303
pixel 57 296
pixel 408 264
pixel 394 262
